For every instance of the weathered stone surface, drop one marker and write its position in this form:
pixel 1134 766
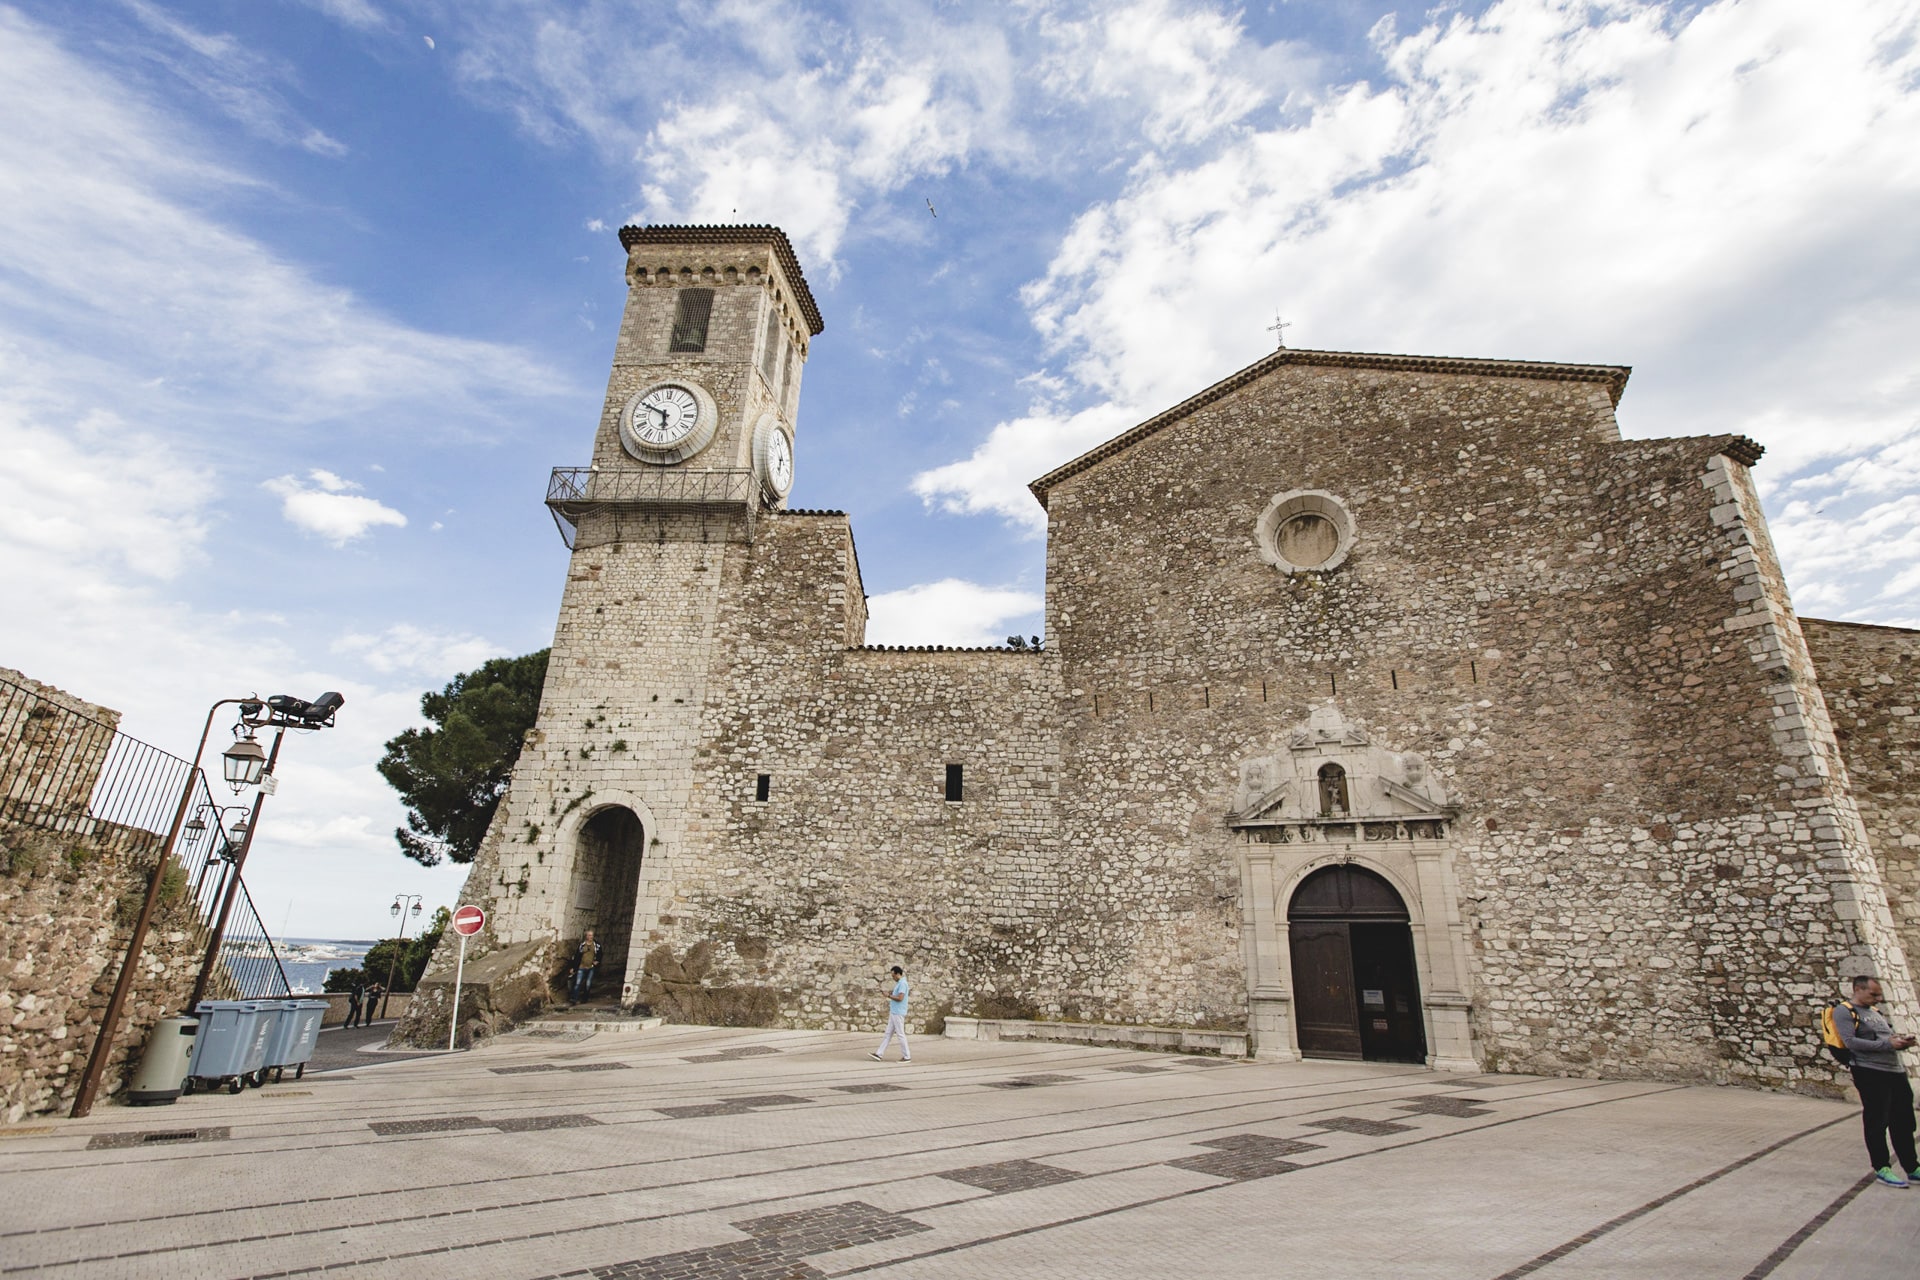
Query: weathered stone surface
pixel 1872 686
pixel 1607 787
pixel 71 887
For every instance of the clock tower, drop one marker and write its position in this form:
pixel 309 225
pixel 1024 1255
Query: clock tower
pixel 692 457
pixel 696 435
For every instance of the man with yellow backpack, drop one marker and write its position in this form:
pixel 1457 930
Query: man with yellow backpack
pixel 1856 1034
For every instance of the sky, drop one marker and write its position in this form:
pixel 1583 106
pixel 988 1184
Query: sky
pixel 301 299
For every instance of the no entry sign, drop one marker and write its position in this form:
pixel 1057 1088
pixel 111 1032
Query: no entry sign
pixel 467 921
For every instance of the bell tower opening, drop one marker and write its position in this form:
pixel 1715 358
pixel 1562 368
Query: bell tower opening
pixel 606 885
pixel 1355 986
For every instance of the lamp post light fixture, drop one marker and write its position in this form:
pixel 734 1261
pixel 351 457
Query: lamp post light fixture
pixel 393 966
pixel 221 857
pixel 243 765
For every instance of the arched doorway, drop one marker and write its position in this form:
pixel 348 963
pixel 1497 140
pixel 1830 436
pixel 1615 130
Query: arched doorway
pixel 606 883
pixel 1355 989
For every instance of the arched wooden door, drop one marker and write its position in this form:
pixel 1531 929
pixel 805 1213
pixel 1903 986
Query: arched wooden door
pixel 1356 991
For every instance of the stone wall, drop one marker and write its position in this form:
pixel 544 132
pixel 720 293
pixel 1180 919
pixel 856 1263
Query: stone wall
pixel 52 746
pixel 1652 864
pixel 1557 620
pixel 70 890
pixel 1868 675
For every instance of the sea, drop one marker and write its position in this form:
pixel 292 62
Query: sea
pixel 309 960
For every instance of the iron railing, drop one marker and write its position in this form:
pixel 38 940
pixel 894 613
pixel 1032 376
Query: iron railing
pixel 74 780
pixel 573 493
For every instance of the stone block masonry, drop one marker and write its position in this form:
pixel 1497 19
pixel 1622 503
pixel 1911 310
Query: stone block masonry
pixel 1872 691
pixel 70 887
pixel 1542 686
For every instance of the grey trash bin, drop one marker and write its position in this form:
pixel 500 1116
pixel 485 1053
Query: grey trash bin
pixel 276 1017
pixel 294 1036
pixel 231 1043
pixel 163 1067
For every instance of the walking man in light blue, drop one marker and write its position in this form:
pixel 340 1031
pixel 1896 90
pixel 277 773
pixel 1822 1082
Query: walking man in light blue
pixel 896 1017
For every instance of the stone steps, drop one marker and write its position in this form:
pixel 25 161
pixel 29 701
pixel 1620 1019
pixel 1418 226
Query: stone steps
pixel 583 1023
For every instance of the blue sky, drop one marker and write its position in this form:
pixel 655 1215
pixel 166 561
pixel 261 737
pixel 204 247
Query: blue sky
pixel 300 301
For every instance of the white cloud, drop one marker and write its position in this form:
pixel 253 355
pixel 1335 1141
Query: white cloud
pixel 238 80
pixel 360 14
pixel 119 288
pixel 1723 197
pixel 83 488
pixel 796 120
pixel 1187 72
pixel 950 611
pixel 414 650
pixel 326 506
pixel 994 479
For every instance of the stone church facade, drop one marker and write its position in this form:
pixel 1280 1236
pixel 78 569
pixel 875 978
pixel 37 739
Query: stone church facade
pixel 1390 707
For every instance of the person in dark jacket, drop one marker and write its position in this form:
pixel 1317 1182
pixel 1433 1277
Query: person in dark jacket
pixel 355 994
pixel 1886 1098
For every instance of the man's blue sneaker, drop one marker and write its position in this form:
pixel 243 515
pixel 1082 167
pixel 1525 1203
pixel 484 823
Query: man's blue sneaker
pixel 1891 1177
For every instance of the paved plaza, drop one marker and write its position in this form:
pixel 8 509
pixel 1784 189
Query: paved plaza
pixel 703 1152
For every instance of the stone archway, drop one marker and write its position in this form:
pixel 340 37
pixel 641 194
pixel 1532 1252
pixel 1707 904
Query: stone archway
pixel 1355 982
pixel 608 849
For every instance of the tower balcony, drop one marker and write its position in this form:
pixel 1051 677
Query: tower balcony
pixel 622 503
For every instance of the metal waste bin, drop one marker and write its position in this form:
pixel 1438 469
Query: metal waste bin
pixel 231 1043
pixel 277 1018
pixel 294 1036
pixel 163 1067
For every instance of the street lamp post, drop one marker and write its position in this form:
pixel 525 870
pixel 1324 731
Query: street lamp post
pixel 117 1002
pixel 201 983
pixel 243 765
pixel 393 966
pixel 197 827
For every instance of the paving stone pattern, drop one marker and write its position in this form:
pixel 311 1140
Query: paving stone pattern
pixel 1242 1156
pixel 1441 1105
pixel 1029 1082
pixel 1264 1170
pixel 1356 1124
pixel 455 1124
pixel 728 1055
pixel 1010 1175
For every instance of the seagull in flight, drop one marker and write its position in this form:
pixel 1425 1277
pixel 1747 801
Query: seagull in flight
pixel 932 210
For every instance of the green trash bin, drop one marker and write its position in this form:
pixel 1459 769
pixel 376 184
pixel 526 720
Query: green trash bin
pixel 163 1067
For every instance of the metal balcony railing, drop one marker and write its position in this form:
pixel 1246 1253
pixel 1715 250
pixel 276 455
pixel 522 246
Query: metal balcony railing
pixel 574 493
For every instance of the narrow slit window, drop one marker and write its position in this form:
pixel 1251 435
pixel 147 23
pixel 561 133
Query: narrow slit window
pixel 763 787
pixel 770 346
pixel 691 311
pixel 786 375
pixel 953 782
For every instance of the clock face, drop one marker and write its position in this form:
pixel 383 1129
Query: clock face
pixel 665 416
pixel 772 457
pixel 780 463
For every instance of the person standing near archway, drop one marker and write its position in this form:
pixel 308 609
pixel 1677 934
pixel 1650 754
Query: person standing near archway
pixel 584 963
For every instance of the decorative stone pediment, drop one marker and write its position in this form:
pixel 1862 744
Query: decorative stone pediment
pixel 1330 771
